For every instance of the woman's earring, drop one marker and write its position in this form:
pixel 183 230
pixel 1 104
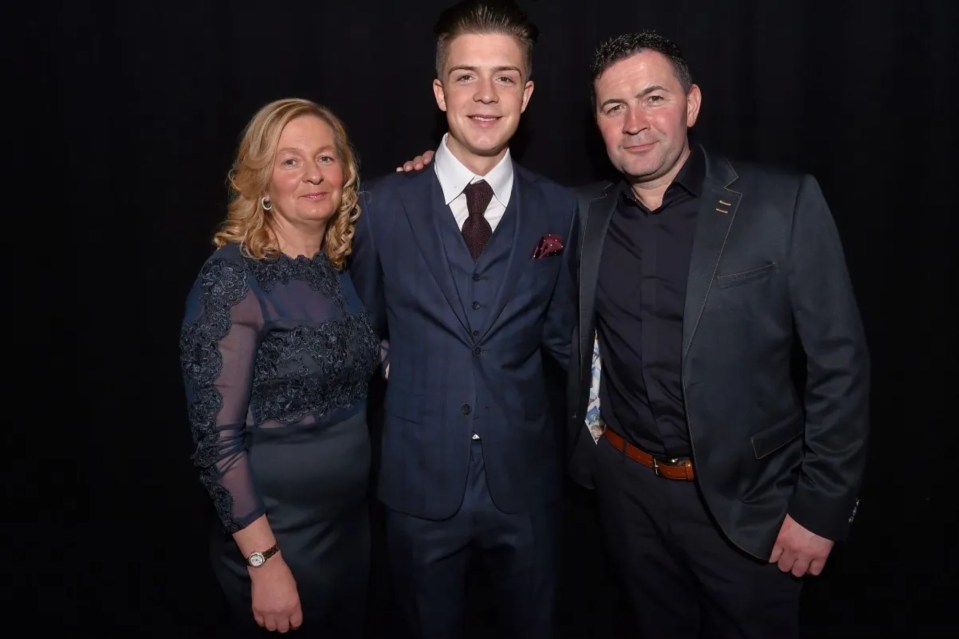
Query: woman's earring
pixel 266 204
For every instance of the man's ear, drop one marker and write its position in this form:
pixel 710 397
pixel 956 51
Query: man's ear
pixel 527 94
pixel 694 99
pixel 439 94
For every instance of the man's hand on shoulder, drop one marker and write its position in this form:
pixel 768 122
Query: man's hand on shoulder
pixel 417 163
pixel 799 550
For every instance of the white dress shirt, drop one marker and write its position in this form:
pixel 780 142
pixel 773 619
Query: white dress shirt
pixel 454 177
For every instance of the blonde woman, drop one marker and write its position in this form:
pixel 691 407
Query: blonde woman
pixel 276 352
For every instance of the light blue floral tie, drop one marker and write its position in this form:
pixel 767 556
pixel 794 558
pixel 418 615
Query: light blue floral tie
pixel 594 420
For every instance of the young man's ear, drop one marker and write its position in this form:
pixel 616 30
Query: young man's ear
pixel 527 94
pixel 439 94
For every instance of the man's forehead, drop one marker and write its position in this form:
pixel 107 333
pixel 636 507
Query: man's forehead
pixel 491 53
pixel 644 68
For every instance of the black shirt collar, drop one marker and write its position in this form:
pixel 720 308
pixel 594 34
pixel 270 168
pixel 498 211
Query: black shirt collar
pixel 690 176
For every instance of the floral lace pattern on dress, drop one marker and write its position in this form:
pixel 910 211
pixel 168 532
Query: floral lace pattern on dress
pixel 310 355
pixel 311 370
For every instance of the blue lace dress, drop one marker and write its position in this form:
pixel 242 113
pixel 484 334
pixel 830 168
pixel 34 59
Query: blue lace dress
pixel 276 358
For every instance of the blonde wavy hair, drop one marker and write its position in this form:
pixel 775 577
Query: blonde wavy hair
pixel 247 223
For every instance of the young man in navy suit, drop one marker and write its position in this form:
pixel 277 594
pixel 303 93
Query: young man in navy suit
pixel 466 271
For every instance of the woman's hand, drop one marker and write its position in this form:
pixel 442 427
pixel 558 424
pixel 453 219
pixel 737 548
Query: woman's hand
pixel 276 601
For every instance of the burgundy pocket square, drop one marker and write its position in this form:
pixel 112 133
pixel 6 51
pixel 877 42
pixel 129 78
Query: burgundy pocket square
pixel 549 244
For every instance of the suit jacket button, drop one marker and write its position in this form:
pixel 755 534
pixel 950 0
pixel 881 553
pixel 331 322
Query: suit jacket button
pixel 466 409
pixel 477 350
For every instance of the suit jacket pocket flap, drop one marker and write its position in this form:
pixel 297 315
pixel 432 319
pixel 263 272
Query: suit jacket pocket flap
pixel 772 438
pixel 732 279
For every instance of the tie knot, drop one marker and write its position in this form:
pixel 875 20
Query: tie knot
pixel 478 195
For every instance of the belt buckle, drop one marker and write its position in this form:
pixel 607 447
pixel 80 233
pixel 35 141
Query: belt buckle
pixel 674 461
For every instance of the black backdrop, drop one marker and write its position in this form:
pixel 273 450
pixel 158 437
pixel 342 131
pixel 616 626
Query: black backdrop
pixel 137 110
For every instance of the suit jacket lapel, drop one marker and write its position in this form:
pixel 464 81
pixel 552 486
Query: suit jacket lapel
pixel 525 231
pixel 422 200
pixel 717 211
pixel 598 210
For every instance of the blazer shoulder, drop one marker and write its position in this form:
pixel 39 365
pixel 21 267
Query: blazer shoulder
pixel 778 186
pixel 768 188
pixel 767 175
pixel 393 181
pixel 550 189
pixel 384 188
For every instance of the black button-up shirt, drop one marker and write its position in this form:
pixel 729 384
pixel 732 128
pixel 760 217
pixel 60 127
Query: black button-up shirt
pixel 640 298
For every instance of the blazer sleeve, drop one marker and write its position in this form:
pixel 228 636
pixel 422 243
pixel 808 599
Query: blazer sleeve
pixel 366 271
pixel 561 314
pixel 836 397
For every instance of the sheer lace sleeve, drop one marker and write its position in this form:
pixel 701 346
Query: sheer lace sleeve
pixel 218 344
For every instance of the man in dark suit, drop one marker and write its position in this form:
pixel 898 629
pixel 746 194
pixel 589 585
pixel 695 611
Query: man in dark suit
pixel 466 272
pixel 726 435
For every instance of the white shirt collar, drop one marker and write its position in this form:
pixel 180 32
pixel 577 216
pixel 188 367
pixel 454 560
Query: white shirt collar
pixel 454 176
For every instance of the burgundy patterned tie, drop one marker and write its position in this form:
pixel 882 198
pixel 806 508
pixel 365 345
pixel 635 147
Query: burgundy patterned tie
pixel 476 230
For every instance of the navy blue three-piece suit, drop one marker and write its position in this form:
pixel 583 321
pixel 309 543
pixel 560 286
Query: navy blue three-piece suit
pixel 469 461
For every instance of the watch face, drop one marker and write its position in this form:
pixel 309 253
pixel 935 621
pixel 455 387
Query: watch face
pixel 256 559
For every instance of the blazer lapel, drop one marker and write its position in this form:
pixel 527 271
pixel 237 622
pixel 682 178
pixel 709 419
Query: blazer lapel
pixel 598 210
pixel 716 214
pixel 524 235
pixel 425 217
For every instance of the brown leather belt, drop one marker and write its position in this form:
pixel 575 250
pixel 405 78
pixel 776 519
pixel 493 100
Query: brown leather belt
pixel 680 468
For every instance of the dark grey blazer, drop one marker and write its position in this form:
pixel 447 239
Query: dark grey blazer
pixel 767 281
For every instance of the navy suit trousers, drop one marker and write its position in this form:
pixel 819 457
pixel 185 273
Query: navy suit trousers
pixel 429 563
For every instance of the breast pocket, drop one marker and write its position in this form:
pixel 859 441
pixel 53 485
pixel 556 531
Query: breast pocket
pixel 744 277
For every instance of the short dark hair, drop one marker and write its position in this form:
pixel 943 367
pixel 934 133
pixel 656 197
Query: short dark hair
pixel 627 45
pixel 484 16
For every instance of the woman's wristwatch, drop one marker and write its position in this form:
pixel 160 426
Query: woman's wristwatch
pixel 257 559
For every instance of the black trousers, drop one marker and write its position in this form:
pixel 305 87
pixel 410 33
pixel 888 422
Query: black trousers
pixel 429 562
pixel 683 579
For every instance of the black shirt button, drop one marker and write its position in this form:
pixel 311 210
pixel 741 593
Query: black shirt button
pixel 466 409
pixel 475 333
pixel 476 278
pixel 477 350
pixel 476 306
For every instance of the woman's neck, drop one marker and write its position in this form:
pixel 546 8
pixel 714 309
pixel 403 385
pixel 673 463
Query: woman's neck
pixel 294 242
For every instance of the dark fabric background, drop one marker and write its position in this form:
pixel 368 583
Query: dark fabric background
pixel 124 118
